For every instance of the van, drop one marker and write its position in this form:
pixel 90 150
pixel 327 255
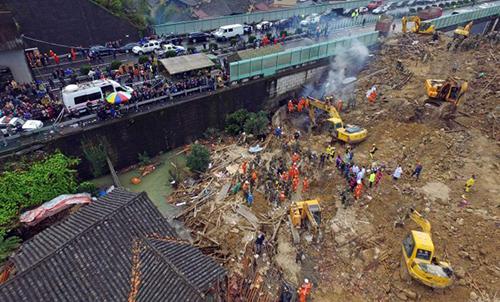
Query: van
pixel 76 96
pixel 228 31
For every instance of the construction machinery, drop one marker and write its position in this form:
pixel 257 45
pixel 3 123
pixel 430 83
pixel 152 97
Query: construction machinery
pixel 305 214
pixel 347 133
pixel 419 27
pixel 463 32
pixel 418 260
pixel 449 91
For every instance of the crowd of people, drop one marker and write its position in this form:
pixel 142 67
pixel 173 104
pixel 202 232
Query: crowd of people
pixel 29 101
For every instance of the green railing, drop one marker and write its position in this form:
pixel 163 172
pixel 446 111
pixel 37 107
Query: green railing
pixel 214 23
pixel 453 20
pixel 270 64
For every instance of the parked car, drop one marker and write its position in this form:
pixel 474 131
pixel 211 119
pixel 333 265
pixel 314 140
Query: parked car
pixel 380 10
pixel 170 47
pixel 228 31
pixel 264 25
pixel 347 12
pixel 411 2
pixel 310 20
pixel 401 3
pixel 374 4
pixel 197 37
pixel 171 39
pixel 147 47
pixel 128 47
pixel 247 29
pixel 13 125
pixel 363 10
pixel 99 50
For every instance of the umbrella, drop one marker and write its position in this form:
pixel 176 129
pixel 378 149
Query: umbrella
pixel 118 97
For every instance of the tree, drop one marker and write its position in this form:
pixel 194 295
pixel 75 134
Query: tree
pixel 198 159
pixel 235 121
pixel 7 246
pixel 256 123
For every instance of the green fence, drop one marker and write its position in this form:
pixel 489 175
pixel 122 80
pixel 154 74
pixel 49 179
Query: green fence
pixel 270 64
pixel 453 20
pixel 213 23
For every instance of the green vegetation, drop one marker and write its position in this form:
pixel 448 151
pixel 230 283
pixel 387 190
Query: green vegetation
pixel 44 180
pixel 143 159
pixel 198 159
pixel 84 69
pixel 95 151
pixel 136 11
pixel 250 122
pixel 170 54
pixel 87 187
pixel 143 59
pixel 251 39
pixel 7 246
pixel 115 65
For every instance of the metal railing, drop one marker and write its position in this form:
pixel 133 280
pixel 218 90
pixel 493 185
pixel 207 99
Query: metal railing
pixel 270 64
pixel 213 23
pixel 452 20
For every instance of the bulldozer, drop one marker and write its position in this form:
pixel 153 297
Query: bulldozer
pixel 347 133
pixel 418 259
pixel 419 27
pixel 305 214
pixel 450 92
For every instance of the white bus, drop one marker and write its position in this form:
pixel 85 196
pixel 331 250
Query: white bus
pixel 77 96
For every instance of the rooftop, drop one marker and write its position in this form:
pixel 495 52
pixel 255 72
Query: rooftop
pixel 117 248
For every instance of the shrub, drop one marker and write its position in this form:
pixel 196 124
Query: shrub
pixel 198 159
pixel 251 39
pixel 143 59
pixel 235 121
pixel 7 246
pixel 256 123
pixel 84 69
pixel 143 158
pixel 115 65
pixel 170 54
pixel 87 187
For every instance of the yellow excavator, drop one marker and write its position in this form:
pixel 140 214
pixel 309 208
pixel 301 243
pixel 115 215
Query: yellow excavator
pixel 305 214
pixel 418 260
pixel 463 32
pixel 419 27
pixel 347 133
pixel 446 91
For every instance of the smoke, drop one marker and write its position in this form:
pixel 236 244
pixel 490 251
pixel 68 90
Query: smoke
pixel 340 79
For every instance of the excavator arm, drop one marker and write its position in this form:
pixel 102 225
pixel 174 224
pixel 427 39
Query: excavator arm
pixel 315 103
pixel 421 221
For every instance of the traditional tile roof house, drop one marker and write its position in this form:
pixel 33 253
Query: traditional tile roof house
pixel 118 248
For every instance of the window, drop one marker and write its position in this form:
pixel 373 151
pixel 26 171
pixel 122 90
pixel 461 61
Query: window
pixel 88 97
pixel 106 90
pixel 423 254
pixel 225 30
pixel 120 88
pixel 408 245
pixel 230 30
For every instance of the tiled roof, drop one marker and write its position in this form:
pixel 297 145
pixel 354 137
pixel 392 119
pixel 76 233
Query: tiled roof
pixel 116 248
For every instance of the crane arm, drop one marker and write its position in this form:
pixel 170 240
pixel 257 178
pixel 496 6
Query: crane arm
pixel 421 221
pixel 325 107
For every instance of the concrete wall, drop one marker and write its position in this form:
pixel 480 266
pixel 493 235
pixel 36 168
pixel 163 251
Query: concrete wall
pixel 15 60
pixel 69 22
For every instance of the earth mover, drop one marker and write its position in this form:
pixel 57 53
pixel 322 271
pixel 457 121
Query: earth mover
pixel 351 134
pixel 305 214
pixel 463 32
pixel 419 27
pixel 419 261
pixel 449 92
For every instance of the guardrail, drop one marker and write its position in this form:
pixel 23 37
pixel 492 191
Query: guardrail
pixel 213 23
pixel 270 64
pixel 452 20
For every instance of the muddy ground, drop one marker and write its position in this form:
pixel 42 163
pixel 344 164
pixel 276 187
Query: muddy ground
pixel 358 256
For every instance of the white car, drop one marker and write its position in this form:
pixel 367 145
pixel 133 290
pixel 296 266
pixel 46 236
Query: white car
pixel 10 125
pixel 264 25
pixel 147 47
pixel 363 10
pixel 380 10
pixel 169 47
pixel 310 20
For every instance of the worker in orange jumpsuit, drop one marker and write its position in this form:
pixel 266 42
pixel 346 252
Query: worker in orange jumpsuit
pixel 306 102
pixel 299 107
pixel 244 167
pixel 290 106
pixel 295 157
pixel 295 183
pixel 304 290
pixel 305 185
pixel 358 190
pixel 254 176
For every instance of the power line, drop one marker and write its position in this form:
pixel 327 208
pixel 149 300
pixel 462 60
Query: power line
pixel 51 43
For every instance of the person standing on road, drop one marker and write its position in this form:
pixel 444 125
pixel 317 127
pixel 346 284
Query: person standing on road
pixel 417 171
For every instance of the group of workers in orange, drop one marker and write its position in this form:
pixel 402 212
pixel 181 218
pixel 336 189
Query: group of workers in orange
pixel 298 105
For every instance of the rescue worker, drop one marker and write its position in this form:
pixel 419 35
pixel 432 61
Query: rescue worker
pixel 470 182
pixel 295 183
pixel 254 177
pixel 249 199
pixel 417 171
pixel 245 188
pixel 305 185
pixel 295 157
pixel 290 106
pixel 372 178
pixel 304 290
pixel 244 167
pixel 373 150
pixel 378 177
pixel 358 190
